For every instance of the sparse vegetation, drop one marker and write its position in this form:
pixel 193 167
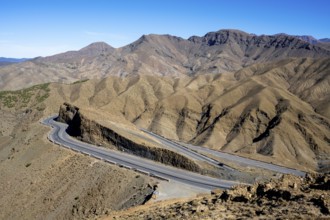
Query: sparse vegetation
pixel 262 97
pixel 41 108
pixel 25 97
pixel 28 164
pixel 80 81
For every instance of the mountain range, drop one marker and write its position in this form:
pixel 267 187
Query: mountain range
pixel 6 61
pixel 263 97
pixel 226 90
pixel 218 52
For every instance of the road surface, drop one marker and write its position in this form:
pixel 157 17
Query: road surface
pixel 186 151
pixel 59 136
pixel 234 158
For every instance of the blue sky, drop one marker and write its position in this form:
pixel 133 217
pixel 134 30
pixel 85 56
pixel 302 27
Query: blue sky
pixel 30 28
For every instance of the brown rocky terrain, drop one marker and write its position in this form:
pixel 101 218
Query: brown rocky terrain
pixel 324 42
pixel 40 180
pixel 91 127
pixel 248 112
pixel 263 97
pixel 101 129
pixel 289 197
pixel 218 52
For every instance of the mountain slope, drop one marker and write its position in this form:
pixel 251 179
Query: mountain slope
pixel 224 51
pixel 274 112
pixel 308 79
pixel 88 52
pixel 263 97
pixel 324 42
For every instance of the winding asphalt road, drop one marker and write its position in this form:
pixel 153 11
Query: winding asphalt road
pixel 186 151
pixel 197 150
pixel 59 136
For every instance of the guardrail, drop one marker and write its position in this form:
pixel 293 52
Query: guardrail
pixel 159 177
pixel 142 171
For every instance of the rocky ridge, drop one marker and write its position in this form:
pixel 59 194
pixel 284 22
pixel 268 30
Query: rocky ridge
pixel 220 52
pixel 94 132
pixel 288 197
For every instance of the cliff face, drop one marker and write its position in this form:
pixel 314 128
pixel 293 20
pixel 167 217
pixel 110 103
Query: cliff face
pixel 90 131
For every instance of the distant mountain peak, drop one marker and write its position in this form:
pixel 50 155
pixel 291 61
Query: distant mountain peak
pixel 280 40
pixel 220 37
pixel 152 37
pixel 6 61
pixel 225 50
pixel 232 31
pixel 307 38
pixel 153 40
pixel 222 51
pixel 325 40
pixel 144 38
pixel 98 46
pixel 90 51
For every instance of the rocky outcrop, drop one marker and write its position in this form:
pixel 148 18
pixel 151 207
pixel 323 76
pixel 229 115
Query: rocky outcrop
pixel 90 131
pixel 287 190
pixel 288 197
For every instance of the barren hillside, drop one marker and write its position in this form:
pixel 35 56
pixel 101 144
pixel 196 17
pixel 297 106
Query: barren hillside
pixel 41 180
pixel 220 52
pixel 286 198
pixel 273 112
pixel 263 97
